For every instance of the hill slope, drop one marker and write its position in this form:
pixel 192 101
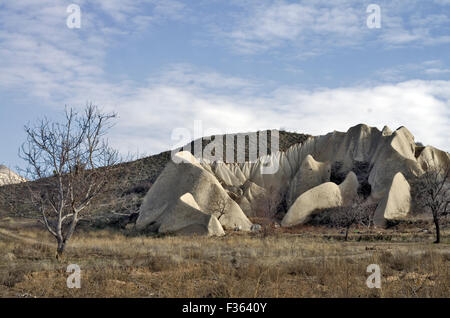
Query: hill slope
pixel 132 179
pixel 294 185
pixel 9 177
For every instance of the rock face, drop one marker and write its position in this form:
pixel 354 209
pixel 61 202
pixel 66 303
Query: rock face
pixel 383 154
pixel 9 177
pixel 256 198
pixel 310 174
pixel 431 157
pixel 396 205
pixel 325 196
pixel 376 164
pixel 185 217
pixel 187 190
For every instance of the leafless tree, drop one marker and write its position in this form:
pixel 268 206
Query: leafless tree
pixel 359 212
pixel 219 207
pixel 266 203
pixel 432 192
pixel 72 161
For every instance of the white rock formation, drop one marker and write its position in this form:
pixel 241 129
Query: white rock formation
pixel 167 198
pixel 310 174
pixel 396 205
pixel 257 199
pixel 9 177
pixel 390 158
pixel 432 157
pixel 385 152
pixel 325 196
pixel 185 217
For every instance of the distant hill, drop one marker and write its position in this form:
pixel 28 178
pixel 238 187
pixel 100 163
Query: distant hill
pixel 141 174
pixel 377 168
pixel 8 176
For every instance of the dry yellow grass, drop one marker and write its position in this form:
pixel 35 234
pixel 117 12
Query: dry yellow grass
pixel 114 264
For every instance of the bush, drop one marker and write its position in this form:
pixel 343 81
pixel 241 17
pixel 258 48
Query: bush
pixel 362 171
pixel 140 188
pixel 359 213
pixel 337 176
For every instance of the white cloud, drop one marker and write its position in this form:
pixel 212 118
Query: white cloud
pixel 272 24
pixel 42 58
pixel 314 27
pixel 150 113
pixel 416 29
pixel 40 53
pixel 432 69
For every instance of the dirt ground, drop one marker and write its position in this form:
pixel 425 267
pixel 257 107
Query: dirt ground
pixel 305 261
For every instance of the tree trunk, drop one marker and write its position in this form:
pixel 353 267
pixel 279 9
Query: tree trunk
pixel 346 233
pixel 438 232
pixel 60 249
pixel 63 239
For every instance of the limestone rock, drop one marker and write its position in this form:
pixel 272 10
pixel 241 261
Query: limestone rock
pixel 186 218
pixel 349 188
pixel 188 176
pixel 297 179
pixel 325 196
pixel 7 176
pixel 431 157
pixel 386 131
pixel 258 200
pixel 224 174
pixel 384 154
pixel 246 207
pixel 396 154
pixel 396 205
pixel 311 174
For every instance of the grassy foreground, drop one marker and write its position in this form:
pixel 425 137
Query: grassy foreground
pixel 276 264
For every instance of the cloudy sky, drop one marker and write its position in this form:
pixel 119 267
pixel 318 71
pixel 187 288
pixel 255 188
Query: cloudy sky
pixel 235 65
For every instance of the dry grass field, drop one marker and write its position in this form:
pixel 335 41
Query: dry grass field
pixel 272 263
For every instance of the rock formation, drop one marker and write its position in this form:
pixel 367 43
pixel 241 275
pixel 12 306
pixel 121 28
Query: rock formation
pixel 324 196
pixel 310 174
pixel 396 205
pixel 187 190
pixel 186 217
pixel 376 164
pixel 384 153
pixel 9 177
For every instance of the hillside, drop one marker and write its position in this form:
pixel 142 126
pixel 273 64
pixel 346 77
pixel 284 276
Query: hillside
pixel 132 181
pixel 8 176
pixel 376 167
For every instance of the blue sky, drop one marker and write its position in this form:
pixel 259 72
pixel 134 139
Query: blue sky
pixel 306 66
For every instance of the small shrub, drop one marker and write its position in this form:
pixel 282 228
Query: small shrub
pixel 362 171
pixel 336 175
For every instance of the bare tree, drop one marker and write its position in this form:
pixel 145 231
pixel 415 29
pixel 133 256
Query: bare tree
pixel 266 203
pixel 359 212
pixel 72 161
pixel 432 191
pixel 219 207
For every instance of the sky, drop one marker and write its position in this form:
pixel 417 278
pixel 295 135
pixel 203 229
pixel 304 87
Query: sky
pixel 225 66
